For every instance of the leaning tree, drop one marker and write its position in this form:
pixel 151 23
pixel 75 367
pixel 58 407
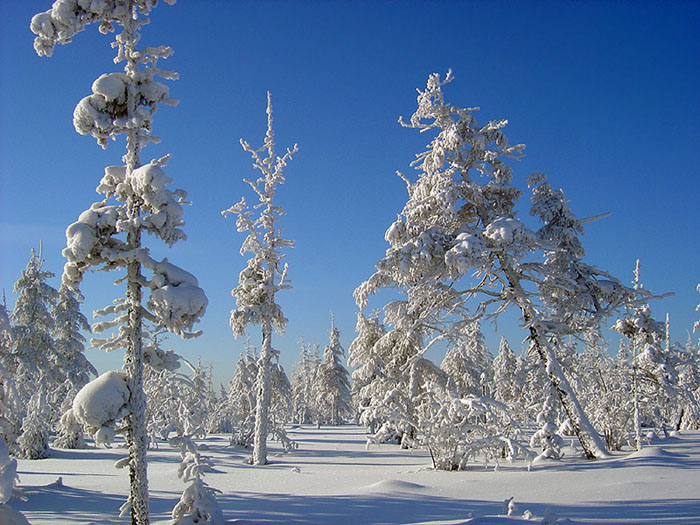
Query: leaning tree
pixel 459 252
pixel 136 200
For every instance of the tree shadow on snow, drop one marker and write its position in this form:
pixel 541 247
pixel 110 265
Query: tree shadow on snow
pixel 412 508
pixel 56 503
pixel 348 509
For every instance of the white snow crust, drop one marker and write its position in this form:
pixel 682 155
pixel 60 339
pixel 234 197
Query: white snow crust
pixel 337 481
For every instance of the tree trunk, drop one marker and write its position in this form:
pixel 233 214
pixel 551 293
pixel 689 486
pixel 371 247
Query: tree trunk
pixel 592 445
pixel 136 419
pixel 262 407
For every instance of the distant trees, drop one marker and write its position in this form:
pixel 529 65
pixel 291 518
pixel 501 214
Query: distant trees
pixel 264 274
pixel 304 407
pixel 108 235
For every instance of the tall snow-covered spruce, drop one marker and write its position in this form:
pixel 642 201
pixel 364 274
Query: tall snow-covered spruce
pixel 460 253
pixel 264 274
pixel 333 382
pixel 107 236
pixel 32 362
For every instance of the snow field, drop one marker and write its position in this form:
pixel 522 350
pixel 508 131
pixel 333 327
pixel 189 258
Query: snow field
pixel 333 478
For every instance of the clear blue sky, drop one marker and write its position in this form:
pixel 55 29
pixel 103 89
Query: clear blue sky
pixel 606 96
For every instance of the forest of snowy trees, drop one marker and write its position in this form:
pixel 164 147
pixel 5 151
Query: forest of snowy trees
pixel 458 257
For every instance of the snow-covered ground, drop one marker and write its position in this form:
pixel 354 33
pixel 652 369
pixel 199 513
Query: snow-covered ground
pixel 333 478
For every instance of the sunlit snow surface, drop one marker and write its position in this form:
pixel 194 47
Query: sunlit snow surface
pixel 333 479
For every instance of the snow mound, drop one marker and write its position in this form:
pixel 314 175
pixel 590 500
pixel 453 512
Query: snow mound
pixel 655 452
pixel 8 473
pixel 394 485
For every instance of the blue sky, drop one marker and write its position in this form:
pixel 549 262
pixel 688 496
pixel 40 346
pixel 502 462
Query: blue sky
pixel 606 96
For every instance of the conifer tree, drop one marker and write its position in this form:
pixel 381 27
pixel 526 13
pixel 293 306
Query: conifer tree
pixel 650 371
pixel 241 400
pixel 508 380
pixel 264 274
pixel 368 362
pixel 303 380
pixel 34 360
pixel 76 370
pixel 333 392
pixel 108 235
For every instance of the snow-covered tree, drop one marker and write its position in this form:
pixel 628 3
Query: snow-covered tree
pixel 468 362
pixel 687 365
pixel 605 389
pixel 362 355
pixel 33 442
pixel 547 438
pixel 303 380
pixel 264 274
pixel 280 405
pixel 333 383
pixel 74 367
pixel 652 377
pixel 108 235
pixel 508 378
pixel 458 239
pixel 69 322
pixel 403 371
pixel 10 402
pixel 33 361
pixel 240 402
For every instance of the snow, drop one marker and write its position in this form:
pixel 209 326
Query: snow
pixel 9 516
pixel 112 86
pixel 331 478
pixel 8 473
pixel 102 401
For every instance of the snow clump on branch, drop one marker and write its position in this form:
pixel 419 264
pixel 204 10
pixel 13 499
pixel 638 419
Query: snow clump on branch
pixel 100 403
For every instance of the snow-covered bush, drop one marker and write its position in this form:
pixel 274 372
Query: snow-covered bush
pixel 8 478
pixel 70 434
pixel 547 438
pixel 8 473
pixel 198 501
pixel 457 429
